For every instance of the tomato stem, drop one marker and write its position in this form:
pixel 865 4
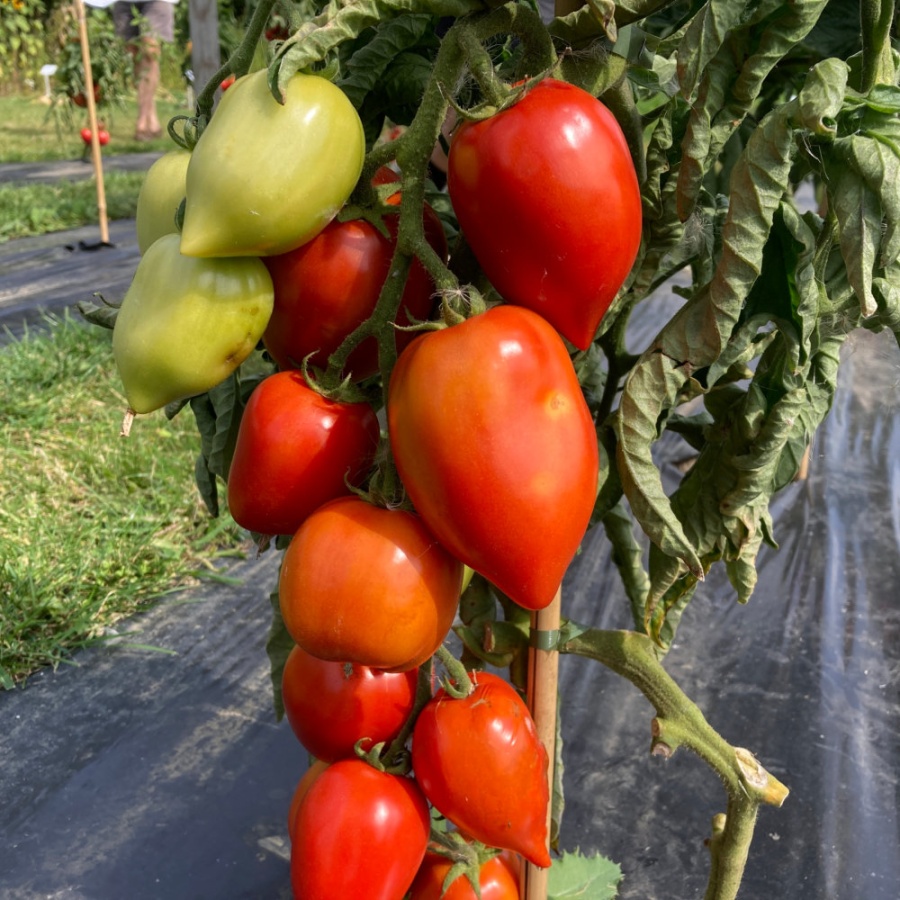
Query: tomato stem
pixel 877 55
pixel 679 722
pixel 458 685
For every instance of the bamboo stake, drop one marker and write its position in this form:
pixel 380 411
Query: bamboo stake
pixel 543 680
pixel 92 120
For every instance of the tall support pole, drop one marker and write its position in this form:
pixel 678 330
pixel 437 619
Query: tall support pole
pixel 543 681
pixel 96 156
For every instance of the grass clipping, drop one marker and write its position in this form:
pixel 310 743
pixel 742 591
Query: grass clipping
pixel 91 526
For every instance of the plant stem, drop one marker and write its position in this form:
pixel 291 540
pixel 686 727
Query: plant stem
pixel 679 722
pixel 877 58
pixel 728 848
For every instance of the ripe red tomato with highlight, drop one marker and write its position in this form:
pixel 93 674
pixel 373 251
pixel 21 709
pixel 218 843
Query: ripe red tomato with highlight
pixel 360 833
pixel 503 799
pixel 495 881
pixel 547 197
pixel 294 450
pixel 332 705
pixel 496 447
pixel 368 585
pixel 329 286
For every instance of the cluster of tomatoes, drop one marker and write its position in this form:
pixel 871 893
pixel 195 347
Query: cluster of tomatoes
pixel 486 424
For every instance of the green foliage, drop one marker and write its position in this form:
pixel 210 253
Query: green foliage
pixel 22 43
pixel 111 63
pixel 576 875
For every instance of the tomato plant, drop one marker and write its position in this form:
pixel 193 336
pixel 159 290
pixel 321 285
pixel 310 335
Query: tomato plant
pixel 503 801
pixel 330 285
pixel 548 199
pixel 335 609
pixel 295 450
pixel 496 881
pixel 388 814
pixel 592 160
pixel 517 516
pixel 333 705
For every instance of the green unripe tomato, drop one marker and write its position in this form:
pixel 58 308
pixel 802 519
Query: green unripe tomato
pixel 264 177
pixel 161 195
pixel 186 324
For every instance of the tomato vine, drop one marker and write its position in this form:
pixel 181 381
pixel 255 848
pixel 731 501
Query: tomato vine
pixel 725 109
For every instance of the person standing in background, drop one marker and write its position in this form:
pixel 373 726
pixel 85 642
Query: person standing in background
pixel 143 25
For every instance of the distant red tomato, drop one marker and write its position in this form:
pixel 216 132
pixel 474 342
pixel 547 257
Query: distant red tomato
pixel 79 99
pixel 228 82
pixel 102 136
pixel 295 450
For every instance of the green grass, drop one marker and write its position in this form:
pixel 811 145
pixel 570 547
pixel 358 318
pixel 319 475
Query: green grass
pixel 41 208
pixel 92 526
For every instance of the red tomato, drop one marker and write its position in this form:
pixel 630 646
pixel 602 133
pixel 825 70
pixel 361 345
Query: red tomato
pixel 303 786
pixel 330 285
pixel 332 705
pixel 360 833
pixel 496 448
pixel 294 450
pixel 368 585
pixel 547 196
pixel 227 82
pixel 494 879
pixel 102 136
pixel 481 764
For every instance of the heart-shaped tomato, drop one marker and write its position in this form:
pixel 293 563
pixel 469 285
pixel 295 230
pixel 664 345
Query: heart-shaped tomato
pixel 547 197
pixel 496 447
pixel 481 764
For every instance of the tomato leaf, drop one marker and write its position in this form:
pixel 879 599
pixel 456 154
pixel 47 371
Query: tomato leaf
pixel 218 416
pixel 367 66
pixel 733 78
pixel 588 877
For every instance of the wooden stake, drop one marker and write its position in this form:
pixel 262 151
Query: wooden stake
pixel 92 120
pixel 543 680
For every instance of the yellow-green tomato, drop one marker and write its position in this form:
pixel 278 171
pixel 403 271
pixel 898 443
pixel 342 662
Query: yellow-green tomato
pixel 264 177
pixel 186 324
pixel 161 195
